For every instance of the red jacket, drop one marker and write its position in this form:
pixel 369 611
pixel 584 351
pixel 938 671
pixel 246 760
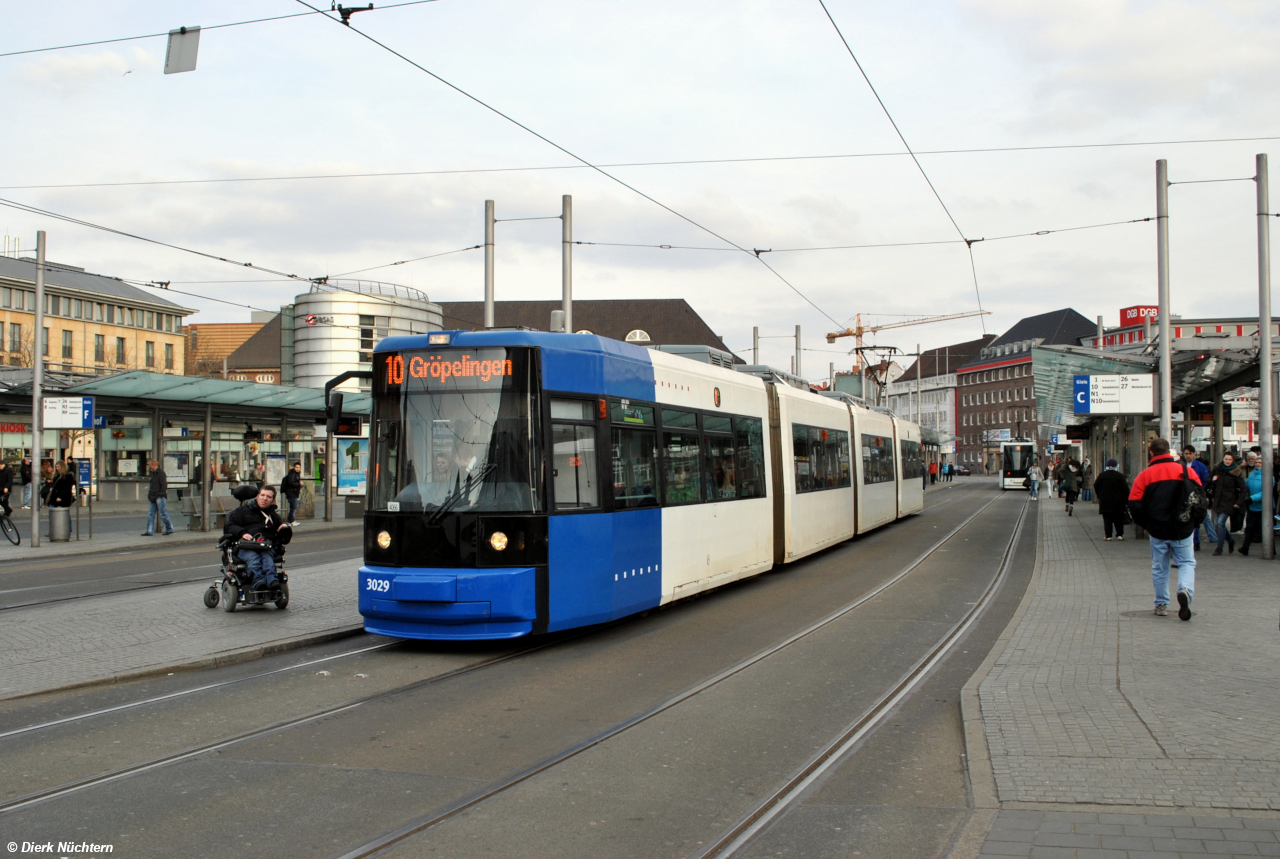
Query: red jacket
pixel 1156 496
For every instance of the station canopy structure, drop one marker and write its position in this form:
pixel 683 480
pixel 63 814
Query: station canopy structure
pixel 1200 371
pixel 251 397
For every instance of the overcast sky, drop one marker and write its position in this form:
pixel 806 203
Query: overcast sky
pixel 659 81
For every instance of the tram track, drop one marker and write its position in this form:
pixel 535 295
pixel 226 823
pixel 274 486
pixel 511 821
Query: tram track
pixel 902 688
pixel 281 725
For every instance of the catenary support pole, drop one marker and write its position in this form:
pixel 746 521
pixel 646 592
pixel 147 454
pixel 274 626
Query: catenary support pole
pixel 566 260
pixel 330 454
pixel 1100 334
pixel 206 468
pixel 1266 329
pixel 798 373
pixel 1162 276
pixel 1217 427
pixel 755 345
pixel 918 359
pixel 37 382
pixel 488 297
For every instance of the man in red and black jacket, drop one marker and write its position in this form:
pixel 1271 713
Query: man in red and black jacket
pixel 1154 502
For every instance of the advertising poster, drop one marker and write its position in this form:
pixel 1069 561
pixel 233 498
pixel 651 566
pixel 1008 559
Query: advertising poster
pixel 275 470
pixel 353 464
pixel 176 470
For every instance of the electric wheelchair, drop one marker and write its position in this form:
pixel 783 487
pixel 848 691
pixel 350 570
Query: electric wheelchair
pixel 234 588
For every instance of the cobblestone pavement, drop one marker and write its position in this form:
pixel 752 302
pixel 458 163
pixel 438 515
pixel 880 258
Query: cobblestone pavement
pixel 1096 702
pixel 85 640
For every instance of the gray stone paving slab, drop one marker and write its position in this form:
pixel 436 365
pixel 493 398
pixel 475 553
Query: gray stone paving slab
pixel 1094 701
pixel 81 641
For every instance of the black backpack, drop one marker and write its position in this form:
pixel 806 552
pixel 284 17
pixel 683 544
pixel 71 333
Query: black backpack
pixel 1194 503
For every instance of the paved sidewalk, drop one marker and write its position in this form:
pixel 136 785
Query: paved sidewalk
pixel 116 540
pixel 1096 706
pixel 116 636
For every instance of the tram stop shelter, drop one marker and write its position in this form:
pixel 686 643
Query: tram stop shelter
pixel 1203 371
pixel 197 427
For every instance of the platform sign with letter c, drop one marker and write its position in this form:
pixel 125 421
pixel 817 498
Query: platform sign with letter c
pixel 1114 395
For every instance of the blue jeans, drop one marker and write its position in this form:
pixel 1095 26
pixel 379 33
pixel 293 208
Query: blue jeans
pixel 158 506
pixel 1035 489
pixel 1210 533
pixel 1222 526
pixel 26 495
pixel 261 568
pixel 293 508
pixel 1181 551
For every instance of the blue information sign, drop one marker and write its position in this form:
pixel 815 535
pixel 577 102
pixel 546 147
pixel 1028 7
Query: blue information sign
pixel 1080 395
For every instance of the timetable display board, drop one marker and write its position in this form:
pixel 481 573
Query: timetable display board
pixel 1115 395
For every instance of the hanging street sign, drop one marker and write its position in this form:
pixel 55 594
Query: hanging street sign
pixel 67 412
pixel 1115 395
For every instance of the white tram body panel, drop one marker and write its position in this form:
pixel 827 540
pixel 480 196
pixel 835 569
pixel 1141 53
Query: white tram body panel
pixel 813 518
pixel 910 488
pixel 877 481
pixel 711 544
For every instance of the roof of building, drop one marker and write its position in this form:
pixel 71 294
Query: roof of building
pixel 948 359
pixel 259 352
pixel 56 275
pixel 665 320
pixel 1056 328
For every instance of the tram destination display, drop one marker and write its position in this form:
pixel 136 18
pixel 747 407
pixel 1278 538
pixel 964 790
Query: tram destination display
pixel 1115 395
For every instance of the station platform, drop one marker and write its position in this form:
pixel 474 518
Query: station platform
pixel 1096 729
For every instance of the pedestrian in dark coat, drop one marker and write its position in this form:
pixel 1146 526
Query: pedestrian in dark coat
pixel 291 487
pixel 6 487
pixel 25 473
pixel 158 499
pixel 1227 492
pixel 1113 499
pixel 62 489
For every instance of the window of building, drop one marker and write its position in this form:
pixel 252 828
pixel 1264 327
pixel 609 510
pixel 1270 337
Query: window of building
pixel 6 297
pixel 168 356
pixel 15 337
pixel 66 306
pixel 119 350
pixel 151 353
pixel 44 343
pixel 99 348
pixel 97 312
pixel 77 309
pixel 111 314
pixel 168 322
pixel 66 345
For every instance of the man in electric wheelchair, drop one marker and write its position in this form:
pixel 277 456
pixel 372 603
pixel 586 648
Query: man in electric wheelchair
pixel 255 534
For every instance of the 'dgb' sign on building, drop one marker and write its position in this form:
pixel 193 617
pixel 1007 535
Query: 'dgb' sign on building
pixel 1115 395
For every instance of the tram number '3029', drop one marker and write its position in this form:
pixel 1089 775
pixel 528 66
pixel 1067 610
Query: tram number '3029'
pixel 379 585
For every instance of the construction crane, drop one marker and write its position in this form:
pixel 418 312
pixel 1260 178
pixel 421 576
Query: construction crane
pixel 859 329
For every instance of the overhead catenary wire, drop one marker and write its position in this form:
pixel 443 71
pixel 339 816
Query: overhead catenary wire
pixel 680 163
pixel 572 155
pixel 972 265
pixel 209 27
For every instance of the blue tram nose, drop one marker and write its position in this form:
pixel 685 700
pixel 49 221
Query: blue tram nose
pixel 456 604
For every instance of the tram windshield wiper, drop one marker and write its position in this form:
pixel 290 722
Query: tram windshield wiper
pixel 461 489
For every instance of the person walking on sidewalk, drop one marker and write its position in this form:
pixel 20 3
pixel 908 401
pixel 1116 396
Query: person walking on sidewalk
pixel 1155 502
pixel 1227 491
pixel 933 473
pixel 62 487
pixel 291 486
pixel 1202 470
pixel 1035 475
pixel 1113 496
pixel 25 473
pixel 1086 480
pixel 158 496
pixel 6 487
pixel 1253 515
pixel 1071 477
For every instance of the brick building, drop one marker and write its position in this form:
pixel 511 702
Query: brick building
pixel 996 391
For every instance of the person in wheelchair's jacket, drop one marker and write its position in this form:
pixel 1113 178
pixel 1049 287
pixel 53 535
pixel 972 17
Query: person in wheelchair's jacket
pixel 259 528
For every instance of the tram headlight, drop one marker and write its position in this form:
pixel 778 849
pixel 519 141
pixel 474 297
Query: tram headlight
pixel 498 541
pixel 384 539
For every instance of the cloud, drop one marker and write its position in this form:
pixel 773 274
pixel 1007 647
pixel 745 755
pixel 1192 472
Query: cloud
pixel 74 73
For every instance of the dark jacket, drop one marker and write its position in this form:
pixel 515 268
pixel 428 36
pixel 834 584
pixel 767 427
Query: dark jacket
pixel 1156 495
pixel 257 522
pixel 159 485
pixel 6 480
pixel 1227 490
pixel 26 473
pixel 62 491
pixel 1113 492
pixel 291 486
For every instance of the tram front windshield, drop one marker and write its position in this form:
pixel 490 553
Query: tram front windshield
pixel 455 430
pixel 1017 459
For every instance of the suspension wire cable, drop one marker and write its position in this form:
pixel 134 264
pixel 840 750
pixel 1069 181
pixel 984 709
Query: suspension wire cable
pixel 572 155
pixel 689 162
pixel 210 27
pixel 973 267
pixel 406 261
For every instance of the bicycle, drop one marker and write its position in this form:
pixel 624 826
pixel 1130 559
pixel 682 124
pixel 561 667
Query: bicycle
pixel 10 530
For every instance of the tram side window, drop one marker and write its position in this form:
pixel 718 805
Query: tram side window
pixel 912 460
pixel 877 459
pixel 821 458
pixel 722 475
pixel 635 471
pixel 748 434
pixel 573 455
pixel 681 459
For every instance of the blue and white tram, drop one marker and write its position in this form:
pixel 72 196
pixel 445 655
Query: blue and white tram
pixel 524 482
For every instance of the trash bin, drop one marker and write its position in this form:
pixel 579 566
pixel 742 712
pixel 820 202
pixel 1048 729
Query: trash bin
pixel 59 524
